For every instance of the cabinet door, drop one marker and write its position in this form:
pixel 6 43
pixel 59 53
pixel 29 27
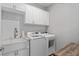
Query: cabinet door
pixel 29 15
pixel 8 5
pixel 46 18
pixel 9 54
pixel 35 15
pixel 23 52
pixel 20 6
pixel 41 17
pixel 38 47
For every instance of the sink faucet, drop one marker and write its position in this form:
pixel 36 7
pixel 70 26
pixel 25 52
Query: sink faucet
pixel 15 32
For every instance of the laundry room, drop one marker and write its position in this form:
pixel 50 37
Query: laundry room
pixel 39 29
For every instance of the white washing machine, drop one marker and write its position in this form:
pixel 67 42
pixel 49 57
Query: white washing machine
pixel 38 47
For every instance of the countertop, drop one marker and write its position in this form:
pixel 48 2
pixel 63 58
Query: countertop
pixel 12 41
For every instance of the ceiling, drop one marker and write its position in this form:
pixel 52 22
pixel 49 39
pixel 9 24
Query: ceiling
pixel 43 6
pixel 46 5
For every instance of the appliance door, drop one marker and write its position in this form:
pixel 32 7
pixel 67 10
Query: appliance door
pixel 51 45
pixel 38 47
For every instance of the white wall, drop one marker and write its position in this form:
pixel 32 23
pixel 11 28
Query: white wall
pixel 64 22
pixel 34 28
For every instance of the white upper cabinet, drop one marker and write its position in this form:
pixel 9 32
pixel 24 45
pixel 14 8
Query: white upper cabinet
pixel 16 6
pixel 36 15
pixel 33 15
